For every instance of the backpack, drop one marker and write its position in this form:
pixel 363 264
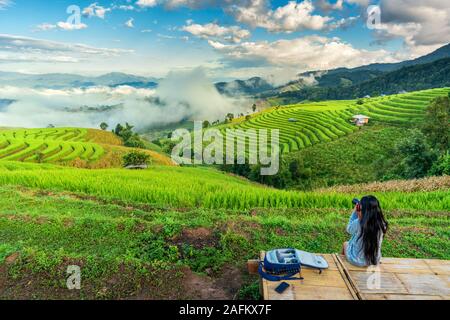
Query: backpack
pixel 284 264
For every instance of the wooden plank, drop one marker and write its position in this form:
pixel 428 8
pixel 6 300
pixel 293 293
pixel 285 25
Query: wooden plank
pixel 356 293
pixel 403 261
pixel 439 267
pixel 389 283
pixel 383 296
pixel 348 282
pixel 252 266
pixel 315 286
pixel 298 291
pixel 417 268
pixel 400 279
pixel 394 265
pixel 436 262
pixel 425 284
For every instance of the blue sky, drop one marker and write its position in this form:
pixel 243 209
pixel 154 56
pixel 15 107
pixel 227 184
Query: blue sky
pixel 229 38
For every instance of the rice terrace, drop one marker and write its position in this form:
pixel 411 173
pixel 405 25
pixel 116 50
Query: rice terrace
pixel 95 206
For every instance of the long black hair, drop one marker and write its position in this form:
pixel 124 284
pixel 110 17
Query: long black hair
pixel 373 225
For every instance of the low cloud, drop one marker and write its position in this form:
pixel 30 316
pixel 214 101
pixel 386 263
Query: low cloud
pixel 180 96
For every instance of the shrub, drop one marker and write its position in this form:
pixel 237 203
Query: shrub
pixel 136 158
pixel 441 166
pixel 417 155
pixel 437 123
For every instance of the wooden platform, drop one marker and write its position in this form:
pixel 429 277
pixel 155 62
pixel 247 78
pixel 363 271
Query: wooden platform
pixel 404 279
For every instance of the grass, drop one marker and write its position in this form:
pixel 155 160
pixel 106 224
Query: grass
pixel 86 148
pixel 351 159
pixel 186 232
pixel 323 122
pixel 128 250
pixel 198 187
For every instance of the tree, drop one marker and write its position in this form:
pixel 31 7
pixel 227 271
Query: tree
pixel 129 138
pixel 135 142
pixel 254 107
pixel 416 155
pixel 230 116
pixel 136 158
pixel 437 123
pixel 118 129
pixel 104 126
pixel 206 124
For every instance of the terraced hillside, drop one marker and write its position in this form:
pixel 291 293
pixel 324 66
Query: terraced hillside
pixel 43 145
pixel 304 125
pixel 82 147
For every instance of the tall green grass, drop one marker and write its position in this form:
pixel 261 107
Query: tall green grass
pixel 199 187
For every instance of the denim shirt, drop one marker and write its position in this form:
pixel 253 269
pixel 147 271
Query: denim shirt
pixel 355 249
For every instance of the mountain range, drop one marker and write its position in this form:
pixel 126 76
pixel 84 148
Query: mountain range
pixel 64 81
pixel 336 78
pixel 342 82
pixel 411 78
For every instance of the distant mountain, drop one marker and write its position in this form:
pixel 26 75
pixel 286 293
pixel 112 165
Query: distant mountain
pixel 63 81
pixel 441 53
pixel 252 86
pixel 335 78
pixel 411 78
pixel 344 77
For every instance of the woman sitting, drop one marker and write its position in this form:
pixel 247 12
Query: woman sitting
pixel 367 227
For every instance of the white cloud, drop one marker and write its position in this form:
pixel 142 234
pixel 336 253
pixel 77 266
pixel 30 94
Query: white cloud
pixel 66 26
pixel 124 7
pixel 294 16
pixel 46 27
pixel 196 4
pixel 94 10
pixel 147 3
pixel 327 6
pixel 23 49
pixel 4 4
pixel 302 54
pixel 34 58
pixel 424 26
pixel 130 23
pixel 71 26
pixel 212 30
